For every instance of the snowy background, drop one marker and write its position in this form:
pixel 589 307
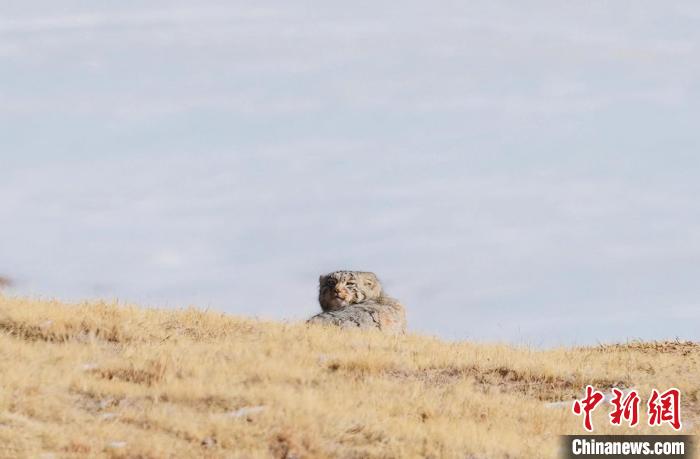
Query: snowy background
pixel 519 172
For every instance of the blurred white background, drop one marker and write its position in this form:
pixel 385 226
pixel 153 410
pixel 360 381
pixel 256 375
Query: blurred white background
pixel 516 171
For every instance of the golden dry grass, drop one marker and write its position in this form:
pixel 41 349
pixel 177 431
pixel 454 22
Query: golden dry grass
pixel 107 380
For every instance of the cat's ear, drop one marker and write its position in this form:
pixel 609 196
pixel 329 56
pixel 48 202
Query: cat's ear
pixel 321 279
pixel 372 281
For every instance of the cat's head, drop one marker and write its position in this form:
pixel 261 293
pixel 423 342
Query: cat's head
pixel 342 288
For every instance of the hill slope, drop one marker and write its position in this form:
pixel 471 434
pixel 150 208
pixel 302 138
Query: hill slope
pixel 99 379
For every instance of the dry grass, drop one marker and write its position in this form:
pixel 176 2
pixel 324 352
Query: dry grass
pixel 106 380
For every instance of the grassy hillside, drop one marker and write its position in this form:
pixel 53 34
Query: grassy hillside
pixel 109 380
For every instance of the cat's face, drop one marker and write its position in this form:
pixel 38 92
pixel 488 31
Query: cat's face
pixel 342 288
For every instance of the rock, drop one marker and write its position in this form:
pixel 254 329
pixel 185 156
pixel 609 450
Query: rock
pixel 209 442
pixel 5 282
pixel 388 316
pixel 564 404
pixel 116 444
pixel 245 411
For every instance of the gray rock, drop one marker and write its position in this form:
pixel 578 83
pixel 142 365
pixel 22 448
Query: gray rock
pixel 245 411
pixel 388 316
pixel 5 282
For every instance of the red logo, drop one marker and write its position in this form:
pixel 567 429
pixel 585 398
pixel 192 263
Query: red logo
pixel 587 405
pixel 665 407
pixel 662 407
pixel 626 407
